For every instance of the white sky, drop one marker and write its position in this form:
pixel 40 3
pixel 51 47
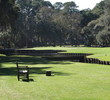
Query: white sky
pixel 83 4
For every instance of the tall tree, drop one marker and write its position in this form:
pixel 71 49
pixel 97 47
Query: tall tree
pixel 8 13
pixel 70 7
pixel 58 6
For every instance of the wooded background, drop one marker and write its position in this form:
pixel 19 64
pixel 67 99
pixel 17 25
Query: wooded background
pixel 30 23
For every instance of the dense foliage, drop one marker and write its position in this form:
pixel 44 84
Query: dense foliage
pixel 29 23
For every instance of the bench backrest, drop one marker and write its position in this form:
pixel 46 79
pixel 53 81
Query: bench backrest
pixel 21 67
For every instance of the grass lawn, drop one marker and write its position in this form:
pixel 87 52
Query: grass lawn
pixel 70 80
pixel 100 53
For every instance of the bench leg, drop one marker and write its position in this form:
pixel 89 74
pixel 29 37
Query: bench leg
pixel 18 77
pixel 27 76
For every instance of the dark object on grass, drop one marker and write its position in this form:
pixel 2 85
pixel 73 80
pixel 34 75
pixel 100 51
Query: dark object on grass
pixel 48 73
pixel 31 80
pixel 25 80
pixel 22 72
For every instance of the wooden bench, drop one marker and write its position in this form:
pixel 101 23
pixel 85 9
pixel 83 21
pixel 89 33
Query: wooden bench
pixel 22 72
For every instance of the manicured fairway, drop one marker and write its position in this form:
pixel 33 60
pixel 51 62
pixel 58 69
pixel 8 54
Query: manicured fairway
pixel 70 80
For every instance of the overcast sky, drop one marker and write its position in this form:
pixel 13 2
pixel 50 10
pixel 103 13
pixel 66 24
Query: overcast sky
pixel 83 4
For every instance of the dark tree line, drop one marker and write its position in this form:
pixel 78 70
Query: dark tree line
pixel 29 23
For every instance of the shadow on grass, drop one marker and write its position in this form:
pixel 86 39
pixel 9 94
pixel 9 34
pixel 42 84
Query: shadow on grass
pixel 28 60
pixel 0 65
pixel 42 70
pixel 12 71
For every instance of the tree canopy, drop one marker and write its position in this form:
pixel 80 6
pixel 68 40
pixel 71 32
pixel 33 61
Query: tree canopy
pixel 8 13
pixel 29 23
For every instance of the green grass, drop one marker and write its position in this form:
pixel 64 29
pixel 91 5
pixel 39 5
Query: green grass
pixel 100 53
pixel 70 80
